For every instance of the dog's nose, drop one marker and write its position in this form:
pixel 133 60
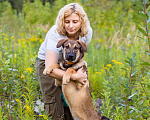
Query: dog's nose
pixel 71 55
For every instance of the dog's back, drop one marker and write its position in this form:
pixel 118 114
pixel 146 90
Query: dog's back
pixel 77 95
pixel 79 101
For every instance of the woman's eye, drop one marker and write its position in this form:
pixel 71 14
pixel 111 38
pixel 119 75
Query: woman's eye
pixel 75 21
pixel 66 21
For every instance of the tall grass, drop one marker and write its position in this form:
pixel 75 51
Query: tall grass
pixel 115 57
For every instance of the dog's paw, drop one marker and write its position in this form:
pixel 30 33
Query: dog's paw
pixel 58 82
pixel 66 79
pixel 47 70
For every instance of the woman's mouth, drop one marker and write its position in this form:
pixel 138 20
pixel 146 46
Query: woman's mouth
pixel 71 30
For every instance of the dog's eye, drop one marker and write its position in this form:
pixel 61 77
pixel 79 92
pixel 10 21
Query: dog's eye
pixel 67 47
pixel 75 48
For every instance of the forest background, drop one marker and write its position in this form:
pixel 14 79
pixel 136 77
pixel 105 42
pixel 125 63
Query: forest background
pixel 117 57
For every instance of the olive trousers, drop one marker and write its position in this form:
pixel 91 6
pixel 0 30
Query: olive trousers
pixel 52 95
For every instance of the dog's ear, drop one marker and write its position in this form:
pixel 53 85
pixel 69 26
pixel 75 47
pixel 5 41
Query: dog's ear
pixel 61 42
pixel 83 46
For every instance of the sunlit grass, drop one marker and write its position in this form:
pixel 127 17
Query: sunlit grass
pixel 114 59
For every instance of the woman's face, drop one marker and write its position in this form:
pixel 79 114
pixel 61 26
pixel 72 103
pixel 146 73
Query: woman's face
pixel 72 24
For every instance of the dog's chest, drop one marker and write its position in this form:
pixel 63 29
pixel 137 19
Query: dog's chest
pixel 76 66
pixel 76 118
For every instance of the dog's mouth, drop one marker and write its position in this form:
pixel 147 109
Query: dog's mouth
pixel 70 58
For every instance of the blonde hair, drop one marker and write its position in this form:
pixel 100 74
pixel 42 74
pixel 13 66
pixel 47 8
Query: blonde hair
pixel 66 11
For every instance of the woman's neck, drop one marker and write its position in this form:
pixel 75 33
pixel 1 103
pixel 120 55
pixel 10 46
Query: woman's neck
pixel 74 36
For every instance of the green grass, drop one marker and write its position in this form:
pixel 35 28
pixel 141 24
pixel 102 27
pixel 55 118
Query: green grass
pixel 114 60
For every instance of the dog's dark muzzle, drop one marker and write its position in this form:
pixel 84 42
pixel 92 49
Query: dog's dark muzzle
pixel 71 57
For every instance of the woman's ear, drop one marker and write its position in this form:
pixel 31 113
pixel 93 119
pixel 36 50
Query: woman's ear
pixel 61 43
pixel 83 46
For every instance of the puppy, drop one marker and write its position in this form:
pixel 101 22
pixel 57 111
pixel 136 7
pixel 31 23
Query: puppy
pixel 77 95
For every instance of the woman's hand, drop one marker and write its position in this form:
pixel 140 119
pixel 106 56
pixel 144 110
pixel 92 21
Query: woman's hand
pixel 80 76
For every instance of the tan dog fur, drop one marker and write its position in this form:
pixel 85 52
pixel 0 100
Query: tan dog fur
pixel 77 95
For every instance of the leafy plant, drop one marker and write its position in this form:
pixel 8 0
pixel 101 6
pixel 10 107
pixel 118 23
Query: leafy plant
pixel 117 57
pixel 144 15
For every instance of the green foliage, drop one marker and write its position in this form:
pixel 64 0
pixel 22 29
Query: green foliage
pixel 3 7
pixel 144 16
pixel 18 83
pixel 40 14
pixel 107 16
pixel 117 57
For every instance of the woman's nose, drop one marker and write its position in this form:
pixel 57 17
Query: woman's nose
pixel 71 25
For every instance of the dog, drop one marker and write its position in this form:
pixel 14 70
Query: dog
pixel 76 94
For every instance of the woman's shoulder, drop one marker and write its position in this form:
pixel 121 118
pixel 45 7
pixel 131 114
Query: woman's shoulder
pixel 52 29
pixel 52 33
pixel 90 30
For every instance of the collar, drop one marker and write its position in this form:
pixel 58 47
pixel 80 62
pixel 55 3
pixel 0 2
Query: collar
pixel 70 63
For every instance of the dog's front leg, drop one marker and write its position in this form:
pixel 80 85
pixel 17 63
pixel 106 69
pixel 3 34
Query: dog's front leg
pixel 58 82
pixel 67 75
pixel 49 69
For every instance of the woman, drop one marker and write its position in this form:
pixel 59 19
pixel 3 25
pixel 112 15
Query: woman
pixel 71 23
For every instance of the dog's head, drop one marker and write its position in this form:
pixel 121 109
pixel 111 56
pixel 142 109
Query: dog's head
pixel 73 50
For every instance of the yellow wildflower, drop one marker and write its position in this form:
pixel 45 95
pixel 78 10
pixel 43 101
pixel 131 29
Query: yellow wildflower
pixel 18 100
pixel 3 34
pixel 31 56
pixel 40 40
pixel 6 39
pixel 15 44
pixel 101 70
pixel 22 39
pixel 28 107
pixel 109 65
pixel 26 101
pixel 100 40
pixel 12 37
pixel 29 69
pixel 34 38
pixel 113 60
pixel 105 67
pixel 119 63
pixel 97 72
pixel 127 69
pixel 129 44
pixel 123 72
pixel 15 55
pixel 23 95
pixel 44 116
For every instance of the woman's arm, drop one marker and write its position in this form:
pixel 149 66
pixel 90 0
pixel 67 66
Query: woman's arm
pixel 52 58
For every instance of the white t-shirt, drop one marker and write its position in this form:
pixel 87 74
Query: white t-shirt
pixel 53 37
